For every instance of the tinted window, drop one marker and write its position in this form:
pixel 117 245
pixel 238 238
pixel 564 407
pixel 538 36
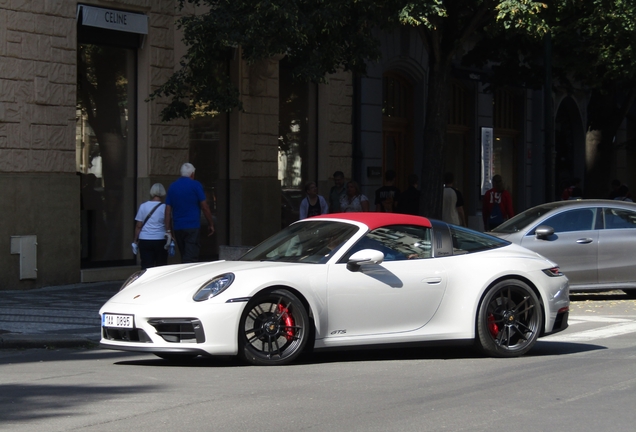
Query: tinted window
pixel 467 241
pixel 306 242
pixel 396 242
pixel 522 220
pixel 572 220
pixel 619 218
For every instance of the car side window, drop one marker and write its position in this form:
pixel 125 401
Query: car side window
pixel 616 218
pixel 396 242
pixel 572 220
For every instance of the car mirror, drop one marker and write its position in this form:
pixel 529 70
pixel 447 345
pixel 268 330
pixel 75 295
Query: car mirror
pixel 364 257
pixel 543 231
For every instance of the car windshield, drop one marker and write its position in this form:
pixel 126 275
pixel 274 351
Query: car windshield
pixel 468 241
pixel 305 242
pixel 522 220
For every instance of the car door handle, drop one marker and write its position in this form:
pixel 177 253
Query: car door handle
pixel 432 280
pixel 584 241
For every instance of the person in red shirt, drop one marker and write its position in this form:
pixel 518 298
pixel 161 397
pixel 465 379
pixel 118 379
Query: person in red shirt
pixel 496 205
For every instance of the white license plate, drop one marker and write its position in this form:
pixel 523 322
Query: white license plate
pixel 121 321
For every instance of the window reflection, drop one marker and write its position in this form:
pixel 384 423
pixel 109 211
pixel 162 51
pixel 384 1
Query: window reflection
pixel 619 219
pixel 105 151
pixel 398 242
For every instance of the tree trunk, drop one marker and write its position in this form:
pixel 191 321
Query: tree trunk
pixel 606 113
pixel 437 104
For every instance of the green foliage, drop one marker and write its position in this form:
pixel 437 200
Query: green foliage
pixel 317 36
pixel 594 42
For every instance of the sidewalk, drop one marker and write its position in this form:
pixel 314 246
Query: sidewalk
pixel 63 316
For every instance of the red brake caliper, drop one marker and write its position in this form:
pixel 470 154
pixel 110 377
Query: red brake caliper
pixel 289 321
pixel 492 327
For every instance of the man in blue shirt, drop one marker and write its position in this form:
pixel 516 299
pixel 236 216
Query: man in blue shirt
pixel 184 202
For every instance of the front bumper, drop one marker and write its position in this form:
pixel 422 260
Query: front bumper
pixel 201 329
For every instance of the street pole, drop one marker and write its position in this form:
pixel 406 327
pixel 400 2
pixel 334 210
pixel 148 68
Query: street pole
pixel 548 112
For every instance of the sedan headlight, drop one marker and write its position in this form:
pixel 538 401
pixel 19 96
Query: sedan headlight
pixel 553 272
pixel 214 287
pixel 133 277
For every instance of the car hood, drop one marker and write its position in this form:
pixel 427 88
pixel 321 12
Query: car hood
pixel 503 236
pixel 178 283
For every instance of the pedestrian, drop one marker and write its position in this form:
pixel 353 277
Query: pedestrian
pixel 622 194
pixel 410 199
pixel 354 200
pixel 574 191
pixel 184 203
pixel 336 192
pixel 313 204
pixel 150 231
pixel 614 185
pixel 387 197
pixel 496 205
pixel 453 202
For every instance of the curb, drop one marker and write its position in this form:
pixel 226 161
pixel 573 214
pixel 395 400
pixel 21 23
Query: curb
pixel 47 341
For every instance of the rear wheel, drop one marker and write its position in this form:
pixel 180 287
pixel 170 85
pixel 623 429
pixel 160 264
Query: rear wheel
pixel 274 329
pixel 509 319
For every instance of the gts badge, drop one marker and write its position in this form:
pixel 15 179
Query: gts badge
pixel 339 332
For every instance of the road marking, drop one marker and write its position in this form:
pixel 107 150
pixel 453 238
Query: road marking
pixel 622 326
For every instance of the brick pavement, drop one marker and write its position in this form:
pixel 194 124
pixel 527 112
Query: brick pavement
pixel 53 316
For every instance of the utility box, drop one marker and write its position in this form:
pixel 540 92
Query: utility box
pixel 27 247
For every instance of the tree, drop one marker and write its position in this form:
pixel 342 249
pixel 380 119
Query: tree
pixel 593 51
pixel 322 36
pixel 594 43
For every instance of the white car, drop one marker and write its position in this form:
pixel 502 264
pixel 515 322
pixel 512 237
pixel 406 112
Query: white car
pixel 344 280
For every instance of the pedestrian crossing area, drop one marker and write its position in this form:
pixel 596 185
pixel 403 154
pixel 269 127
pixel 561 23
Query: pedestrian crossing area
pixel 589 328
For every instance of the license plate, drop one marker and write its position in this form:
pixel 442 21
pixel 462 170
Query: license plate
pixel 120 321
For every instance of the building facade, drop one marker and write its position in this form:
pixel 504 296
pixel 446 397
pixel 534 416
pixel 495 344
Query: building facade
pixel 81 144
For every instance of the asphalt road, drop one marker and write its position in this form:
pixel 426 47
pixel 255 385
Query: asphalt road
pixel 583 379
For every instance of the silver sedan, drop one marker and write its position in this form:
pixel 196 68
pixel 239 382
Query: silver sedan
pixel 593 241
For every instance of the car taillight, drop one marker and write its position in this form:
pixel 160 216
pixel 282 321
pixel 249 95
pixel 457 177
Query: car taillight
pixel 553 272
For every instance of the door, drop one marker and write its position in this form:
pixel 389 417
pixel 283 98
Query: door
pixel 617 247
pixel 573 246
pixel 399 295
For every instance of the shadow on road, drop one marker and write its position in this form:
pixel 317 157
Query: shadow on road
pixel 542 348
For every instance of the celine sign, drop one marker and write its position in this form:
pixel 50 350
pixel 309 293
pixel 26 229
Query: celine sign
pixel 113 19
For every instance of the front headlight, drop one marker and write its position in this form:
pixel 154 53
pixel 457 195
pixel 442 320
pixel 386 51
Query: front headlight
pixel 133 277
pixel 214 287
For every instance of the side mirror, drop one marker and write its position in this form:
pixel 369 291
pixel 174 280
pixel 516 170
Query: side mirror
pixel 364 257
pixel 543 232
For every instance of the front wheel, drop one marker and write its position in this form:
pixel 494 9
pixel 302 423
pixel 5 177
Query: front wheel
pixel 509 319
pixel 274 329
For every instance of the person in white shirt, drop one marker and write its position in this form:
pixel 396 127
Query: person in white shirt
pixel 354 200
pixel 150 230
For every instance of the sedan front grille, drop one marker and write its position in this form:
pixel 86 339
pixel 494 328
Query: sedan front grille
pixel 179 330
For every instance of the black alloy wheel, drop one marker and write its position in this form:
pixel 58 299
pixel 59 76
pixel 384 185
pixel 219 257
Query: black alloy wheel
pixel 274 329
pixel 509 319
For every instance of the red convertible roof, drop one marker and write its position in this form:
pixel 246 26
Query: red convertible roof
pixel 375 219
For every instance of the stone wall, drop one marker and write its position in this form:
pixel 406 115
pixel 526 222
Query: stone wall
pixel 37 86
pixel 48 206
pixel 339 132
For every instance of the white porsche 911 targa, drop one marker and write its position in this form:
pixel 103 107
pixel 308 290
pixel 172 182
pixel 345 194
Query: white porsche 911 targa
pixel 344 280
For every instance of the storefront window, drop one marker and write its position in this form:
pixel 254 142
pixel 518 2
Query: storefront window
pixel 106 152
pixel 293 129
